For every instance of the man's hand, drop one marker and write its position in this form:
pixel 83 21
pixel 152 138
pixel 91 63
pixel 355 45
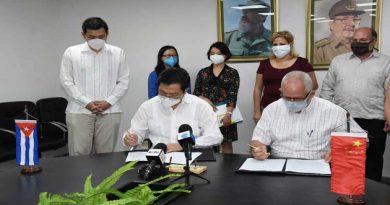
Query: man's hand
pixel 327 156
pixel 226 120
pixel 93 107
pixel 174 147
pixel 103 105
pixel 259 150
pixel 387 127
pixel 131 139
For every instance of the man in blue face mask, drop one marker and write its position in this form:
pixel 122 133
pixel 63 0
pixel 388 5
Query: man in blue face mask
pixel 299 124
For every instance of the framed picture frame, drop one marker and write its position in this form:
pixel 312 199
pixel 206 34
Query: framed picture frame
pixel 330 27
pixel 246 26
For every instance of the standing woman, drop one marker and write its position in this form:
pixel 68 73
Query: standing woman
pixel 218 84
pixel 167 57
pixel 271 71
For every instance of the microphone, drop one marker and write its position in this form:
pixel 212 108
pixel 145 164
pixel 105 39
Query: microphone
pixel 186 139
pixel 185 134
pixel 156 166
pixel 157 154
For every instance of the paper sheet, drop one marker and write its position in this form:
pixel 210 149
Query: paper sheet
pixel 308 166
pixel 177 157
pixel 236 115
pixel 268 165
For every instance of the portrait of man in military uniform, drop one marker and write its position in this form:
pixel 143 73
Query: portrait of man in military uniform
pixel 343 18
pixel 247 27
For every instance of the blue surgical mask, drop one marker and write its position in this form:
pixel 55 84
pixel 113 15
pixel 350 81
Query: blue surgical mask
pixel 296 106
pixel 171 61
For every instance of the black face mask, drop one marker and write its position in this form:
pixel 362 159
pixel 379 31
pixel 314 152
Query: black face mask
pixel 359 48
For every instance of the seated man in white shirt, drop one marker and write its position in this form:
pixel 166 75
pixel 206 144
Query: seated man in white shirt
pixel 299 124
pixel 161 116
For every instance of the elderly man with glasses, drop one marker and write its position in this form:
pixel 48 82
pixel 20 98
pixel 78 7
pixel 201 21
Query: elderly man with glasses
pixel 299 124
pixel 345 18
pixel 358 81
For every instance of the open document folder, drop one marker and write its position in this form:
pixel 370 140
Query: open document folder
pixel 288 166
pixel 236 115
pixel 177 157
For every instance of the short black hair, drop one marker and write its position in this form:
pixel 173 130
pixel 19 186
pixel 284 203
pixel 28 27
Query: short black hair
pixel 221 46
pixel 175 75
pixel 94 23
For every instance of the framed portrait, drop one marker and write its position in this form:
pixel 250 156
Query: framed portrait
pixel 331 23
pixel 246 26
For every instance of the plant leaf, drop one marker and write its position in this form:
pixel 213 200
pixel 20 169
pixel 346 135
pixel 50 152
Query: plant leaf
pixel 111 180
pixel 88 185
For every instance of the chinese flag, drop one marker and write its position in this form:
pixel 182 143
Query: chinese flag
pixel 348 155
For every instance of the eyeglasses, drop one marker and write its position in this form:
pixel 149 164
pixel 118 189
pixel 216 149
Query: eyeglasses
pixel 346 19
pixel 169 55
pixel 295 99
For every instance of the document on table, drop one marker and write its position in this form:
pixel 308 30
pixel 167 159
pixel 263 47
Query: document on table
pixel 268 165
pixel 177 157
pixel 236 114
pixel 301 166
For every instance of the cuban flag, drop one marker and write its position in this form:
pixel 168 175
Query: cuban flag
pixel 26 142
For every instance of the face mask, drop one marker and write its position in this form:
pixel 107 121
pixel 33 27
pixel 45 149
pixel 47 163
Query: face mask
pixel 296 106
pixel 168 102
pixel 171 61
pixel 359 48
pixel 96 43
pixel 281 51
pixel 217 59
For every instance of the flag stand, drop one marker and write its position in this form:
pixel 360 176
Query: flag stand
pixel 32 169
pixel 351 199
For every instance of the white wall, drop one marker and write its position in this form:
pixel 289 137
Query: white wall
pixel 36 32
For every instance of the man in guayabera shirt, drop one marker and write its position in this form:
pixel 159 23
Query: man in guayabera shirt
pixel 298 125
pixel 358 82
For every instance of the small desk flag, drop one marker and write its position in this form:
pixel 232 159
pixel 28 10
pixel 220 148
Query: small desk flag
pixel 26 142
pixel 348 159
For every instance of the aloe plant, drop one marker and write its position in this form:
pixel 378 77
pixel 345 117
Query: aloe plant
pixel 140 195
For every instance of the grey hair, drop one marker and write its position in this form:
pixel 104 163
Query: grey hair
pixel 300 75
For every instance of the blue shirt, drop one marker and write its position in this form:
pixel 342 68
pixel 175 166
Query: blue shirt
pixel 153 85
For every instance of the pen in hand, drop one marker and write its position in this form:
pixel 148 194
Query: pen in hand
pixel 133 147
pixel 253 147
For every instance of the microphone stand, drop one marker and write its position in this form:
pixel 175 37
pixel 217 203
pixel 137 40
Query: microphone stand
pixel 187 172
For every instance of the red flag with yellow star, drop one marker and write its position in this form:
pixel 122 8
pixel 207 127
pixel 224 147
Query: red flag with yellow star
pixel 348 160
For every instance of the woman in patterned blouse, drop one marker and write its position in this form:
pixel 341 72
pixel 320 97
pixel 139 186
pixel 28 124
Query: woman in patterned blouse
pixel 218 84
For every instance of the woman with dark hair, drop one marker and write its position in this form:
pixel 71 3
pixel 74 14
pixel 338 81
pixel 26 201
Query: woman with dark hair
pixel 167 57
pixel 218 84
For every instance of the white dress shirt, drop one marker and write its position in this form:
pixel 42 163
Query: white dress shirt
pixel 303 135
pixel 88 76
pixel 358 86
pixel 162 124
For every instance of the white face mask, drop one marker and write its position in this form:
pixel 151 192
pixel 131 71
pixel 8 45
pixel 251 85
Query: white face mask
pixel 281 51
pixel 168 102
pixel 217 59
pixel 96 43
